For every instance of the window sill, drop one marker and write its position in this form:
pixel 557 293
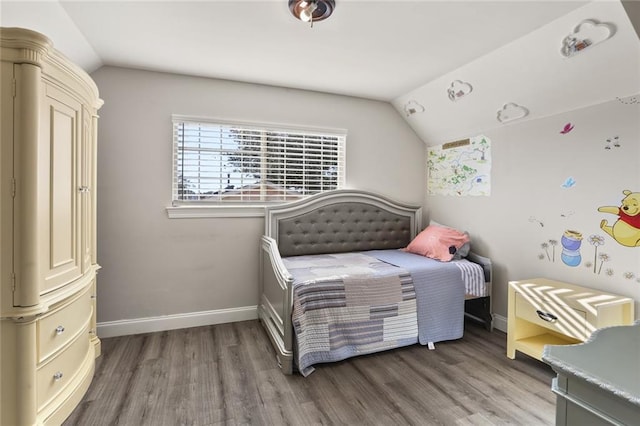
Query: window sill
pixel 199 212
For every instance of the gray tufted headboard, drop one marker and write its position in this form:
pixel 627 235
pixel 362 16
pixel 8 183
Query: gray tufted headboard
pixel 341 221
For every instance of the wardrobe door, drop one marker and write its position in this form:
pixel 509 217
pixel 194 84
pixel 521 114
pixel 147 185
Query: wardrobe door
pixel 86 190
pixel 61 196
pixel 6 189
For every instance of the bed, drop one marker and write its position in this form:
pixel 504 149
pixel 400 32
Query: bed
pixel 335 281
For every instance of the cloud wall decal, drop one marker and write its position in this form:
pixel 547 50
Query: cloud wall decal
pixel 511 111
pixel 458 89
pixel 412 107
pixel 587 33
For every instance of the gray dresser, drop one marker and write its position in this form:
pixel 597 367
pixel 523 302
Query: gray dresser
pixel 598 381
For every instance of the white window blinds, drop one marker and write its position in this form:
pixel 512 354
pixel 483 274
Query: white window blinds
pixel 222 162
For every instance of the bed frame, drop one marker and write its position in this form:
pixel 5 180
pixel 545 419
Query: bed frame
pixel 332 222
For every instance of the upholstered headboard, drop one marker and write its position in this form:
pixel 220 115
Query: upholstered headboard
pixel 341 221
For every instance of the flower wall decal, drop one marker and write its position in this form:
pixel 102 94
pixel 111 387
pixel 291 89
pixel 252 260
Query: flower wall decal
pixel 511 112
pixel 458 89
pixel 585 34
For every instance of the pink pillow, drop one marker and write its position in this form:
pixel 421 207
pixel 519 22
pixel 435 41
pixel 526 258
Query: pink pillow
pixel 438 242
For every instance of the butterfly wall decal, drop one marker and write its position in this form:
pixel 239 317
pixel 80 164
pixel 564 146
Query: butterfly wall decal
pixel 567 128
pixel 569 182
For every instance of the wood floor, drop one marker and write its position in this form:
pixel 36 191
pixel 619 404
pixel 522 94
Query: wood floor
pixel 227 374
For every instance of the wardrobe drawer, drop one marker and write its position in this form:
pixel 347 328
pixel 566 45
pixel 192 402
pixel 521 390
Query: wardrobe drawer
pixel 57 328
pixel 552 315
pixel 53 377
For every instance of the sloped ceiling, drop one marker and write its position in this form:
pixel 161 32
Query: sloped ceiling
pixel 372 49
pixel 404 52
pixel 531 78
pixel 632 7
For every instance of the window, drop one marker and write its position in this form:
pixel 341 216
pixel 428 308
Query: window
pixel 216 162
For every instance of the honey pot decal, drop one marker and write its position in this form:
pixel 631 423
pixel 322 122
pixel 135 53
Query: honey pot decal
pixel 571 242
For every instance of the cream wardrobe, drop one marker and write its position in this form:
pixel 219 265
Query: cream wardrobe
pixel 47 231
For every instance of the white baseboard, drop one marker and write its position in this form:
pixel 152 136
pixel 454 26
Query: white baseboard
pixel 175 321
pixel 197 319
pixel 500 322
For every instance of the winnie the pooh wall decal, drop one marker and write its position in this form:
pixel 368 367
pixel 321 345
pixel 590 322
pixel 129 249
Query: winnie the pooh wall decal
pixel 625 230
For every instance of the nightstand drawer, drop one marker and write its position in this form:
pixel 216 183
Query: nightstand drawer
pixel 552 315
pixel 53 377
pixel 56 329
pixel 546 312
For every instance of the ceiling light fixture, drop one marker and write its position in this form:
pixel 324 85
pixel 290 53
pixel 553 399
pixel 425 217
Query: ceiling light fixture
pixel 312 10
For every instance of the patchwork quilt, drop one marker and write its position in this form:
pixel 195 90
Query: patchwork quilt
pixel 349 304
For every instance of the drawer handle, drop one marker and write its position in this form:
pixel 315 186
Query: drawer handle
pixel 59 330
pixel 546 316
pixel 57 376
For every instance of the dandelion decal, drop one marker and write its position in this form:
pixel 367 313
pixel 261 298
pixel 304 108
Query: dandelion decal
pixel 549 254
pixel 588 264
pixel 553 244
pixel 609 272
pixel 630 101
pixel 604 257
pixel 614 141
pixel 567 214
pixel 596 241
pixel 545 246
pixel 629 275
pixel 534 220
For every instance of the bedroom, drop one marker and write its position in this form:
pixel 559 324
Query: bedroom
pixel 160 273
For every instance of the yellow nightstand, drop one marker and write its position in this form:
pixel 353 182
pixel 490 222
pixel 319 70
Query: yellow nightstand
pixel 546 312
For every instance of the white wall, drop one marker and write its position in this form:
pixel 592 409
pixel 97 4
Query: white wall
pixel 529 206
pixel 531 159
pixel 154 266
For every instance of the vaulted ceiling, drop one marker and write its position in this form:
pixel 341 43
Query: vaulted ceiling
pixel 372 49
pixel 508 52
